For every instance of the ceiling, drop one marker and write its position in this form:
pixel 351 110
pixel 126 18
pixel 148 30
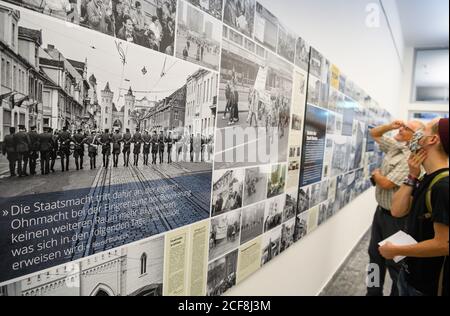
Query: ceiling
pixel 425 23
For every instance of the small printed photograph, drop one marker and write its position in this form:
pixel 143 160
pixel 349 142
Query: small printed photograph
pixel 240 15
pixel 277 181
pixel 331 123
pixel 294 152
pixel 274 212
pixel 225 234
pixel 315 194
pixel 332 188
pixel 293 176
pixel 316 62
pixel 299 89
pixel 198 37
pixel 304 198
pixel 271 245
pixel 212 7
pixel 252 222
pixel 296 122
pixel 325 212
pixel 287 235
pixel 302 54
pixel 313 219
pixel 149 23
pixel 255 185
pixel 222 274
pixel 340 155
pixel 301 226
pixel 290 208
pixel 342 83
pixel 266 28
pixel 315 87
pixel 286 43
pixel 228 188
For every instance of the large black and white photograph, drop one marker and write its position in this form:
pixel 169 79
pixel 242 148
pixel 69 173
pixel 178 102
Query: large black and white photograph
pixel 277 181
pixel 274 212
pixel 86 129
pixel 266 27
pixel 228 188
pixel 254 107
pixel 302 54
pixel 325 212
pixel 198 37
pixel 240 15
pixel 358 144
pixel 212 7
pixel 290 207
pixel 222 274
pixel 287 235
pixel 316 63
pixel 252 222
pixel 286 43
pixel 271 243
pixel 255 186
pixel 314 90
pixel 225 234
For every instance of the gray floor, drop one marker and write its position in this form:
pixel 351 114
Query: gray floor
pixel 350 279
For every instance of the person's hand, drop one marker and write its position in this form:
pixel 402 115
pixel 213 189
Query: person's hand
pixel 376 172
pixel 388 251
pixel 415 163
pixel 397 124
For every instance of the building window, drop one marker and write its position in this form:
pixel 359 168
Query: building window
pixel 431 76
pixel 15 79
pixel 3 291
pixel 13 35
pixel 106 121
pixel 175 115
pixel 3 77
pixel 143 264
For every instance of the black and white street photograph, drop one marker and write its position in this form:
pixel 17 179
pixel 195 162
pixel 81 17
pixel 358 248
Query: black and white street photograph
pixel 287 235
pixel 315 194
pixel 266 28
pixel 255 186
pixel 302 54
pixel 314 89
pixel 225 234
pixel 212 7
pixel 290 208
pixel 254 107
pixel 316 63
pixel 271 243
pixel 299 93
pixel 198 37
pixel 91 130
pixel 286 43
pixel 228 188
pixel 324 190
pixel 274 212
pixel 240 15
pixel 304 198
pixel 277 181
pixel 293 176
pixel 252 222
pixel 222 274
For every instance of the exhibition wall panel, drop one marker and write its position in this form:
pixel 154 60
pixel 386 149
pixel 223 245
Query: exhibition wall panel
pixel 256 140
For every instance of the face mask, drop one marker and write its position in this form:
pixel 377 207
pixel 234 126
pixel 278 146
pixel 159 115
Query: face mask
pixel 414 145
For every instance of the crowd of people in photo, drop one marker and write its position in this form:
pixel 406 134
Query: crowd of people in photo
pixel 24 149
pixel 124 19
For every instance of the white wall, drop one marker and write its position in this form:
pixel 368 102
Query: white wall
pixel 407 103
pixel 368 56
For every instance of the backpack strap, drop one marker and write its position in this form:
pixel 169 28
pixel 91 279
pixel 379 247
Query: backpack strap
pixel 441 176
